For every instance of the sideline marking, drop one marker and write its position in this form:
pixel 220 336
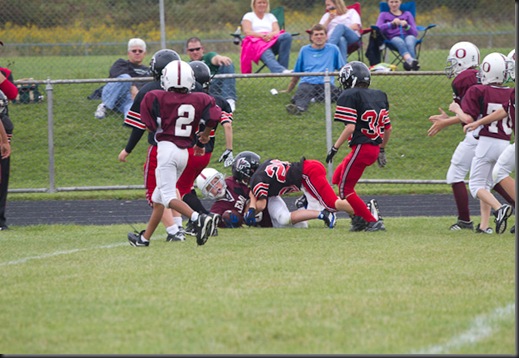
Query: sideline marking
pixel 57 253
pixel 480 328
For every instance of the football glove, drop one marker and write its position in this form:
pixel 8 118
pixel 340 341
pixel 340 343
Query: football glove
pixel 250 217
pixel 331 154
pixel 382 160
pixel 227 157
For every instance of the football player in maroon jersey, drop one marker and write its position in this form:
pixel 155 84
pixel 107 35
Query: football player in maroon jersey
pixel 174 114
pixel 494 138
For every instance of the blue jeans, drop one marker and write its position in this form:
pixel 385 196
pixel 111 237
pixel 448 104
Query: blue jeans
pixel 224 87
pixel 404 46
pixel 116 95
pixel 280 48
pixel 343 36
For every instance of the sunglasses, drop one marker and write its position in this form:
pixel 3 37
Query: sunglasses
pixel 194 49
pixel 137 51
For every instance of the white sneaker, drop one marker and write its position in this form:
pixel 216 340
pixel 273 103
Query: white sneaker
pixel 287 71
pixel 232 103
pixel 100 112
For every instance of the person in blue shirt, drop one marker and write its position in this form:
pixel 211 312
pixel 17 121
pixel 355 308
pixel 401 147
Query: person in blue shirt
pixel 318 56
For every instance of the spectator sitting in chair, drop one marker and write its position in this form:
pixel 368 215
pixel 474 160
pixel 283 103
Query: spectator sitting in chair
pixel 264 39
pixel 318 56
pixel 218 64
pixel 343 25
pixel 119 96
pixel 400 29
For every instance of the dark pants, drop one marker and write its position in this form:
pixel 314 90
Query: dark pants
pixel 306 91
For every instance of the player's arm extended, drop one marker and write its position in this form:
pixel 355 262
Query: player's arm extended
pixel 492 117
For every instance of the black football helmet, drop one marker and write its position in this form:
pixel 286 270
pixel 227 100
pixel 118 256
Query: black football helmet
pixel 353 73
pixel 202 73
pixel 159 60
pixel 244 165
pixel 3 102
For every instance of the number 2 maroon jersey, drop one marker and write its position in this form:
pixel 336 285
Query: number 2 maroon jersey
pixel 175 117
pixel 275 177
pixel 368 110
pixel 481 100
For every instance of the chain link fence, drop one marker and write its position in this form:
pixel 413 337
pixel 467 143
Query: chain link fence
pixel 67 47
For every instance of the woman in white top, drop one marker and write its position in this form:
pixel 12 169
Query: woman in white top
pixel 343 25
pixel 261 24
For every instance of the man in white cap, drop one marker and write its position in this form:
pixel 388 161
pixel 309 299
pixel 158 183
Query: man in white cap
pixel 118 96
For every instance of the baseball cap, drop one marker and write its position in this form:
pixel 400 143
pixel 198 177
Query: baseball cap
pixel 136 42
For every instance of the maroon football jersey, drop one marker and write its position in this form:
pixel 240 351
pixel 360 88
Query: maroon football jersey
pixel 480 101
pixel 462 82
pixel 175 117
pixel 236 196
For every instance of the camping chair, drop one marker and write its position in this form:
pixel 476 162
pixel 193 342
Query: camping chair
pixel 358 46
pixel 279 13
pixel 407 6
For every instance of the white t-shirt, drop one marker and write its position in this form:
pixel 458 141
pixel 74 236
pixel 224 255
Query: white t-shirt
pixel 260 25
pixel 349 18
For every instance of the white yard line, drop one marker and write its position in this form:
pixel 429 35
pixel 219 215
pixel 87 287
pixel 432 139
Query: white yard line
pixel 482 327
pixel 58 253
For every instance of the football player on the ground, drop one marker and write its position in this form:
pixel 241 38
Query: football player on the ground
pixel 365 114
pixel 275 177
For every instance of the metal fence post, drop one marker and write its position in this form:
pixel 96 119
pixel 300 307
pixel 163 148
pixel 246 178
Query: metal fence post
pixel 328 117
pixel 50 135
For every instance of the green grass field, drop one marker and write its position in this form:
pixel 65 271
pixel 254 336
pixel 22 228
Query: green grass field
pixel 415 288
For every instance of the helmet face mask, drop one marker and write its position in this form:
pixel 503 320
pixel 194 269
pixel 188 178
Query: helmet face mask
pixel 494 69
pixel 177 75
pixel 244 165
pixel 159 60
pixel 511 65
pixel 3 102
pixel 202 73
pixel 212 183
pixel 462 55
pixel 354 73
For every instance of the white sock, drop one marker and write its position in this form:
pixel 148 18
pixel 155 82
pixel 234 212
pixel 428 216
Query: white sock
pixel 410 60
pixel 143 239
pixel 172 230
pixel 177 220
pixel 194 216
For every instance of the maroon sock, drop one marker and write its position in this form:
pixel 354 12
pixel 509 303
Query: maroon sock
pixel 504 194
pixel 461 197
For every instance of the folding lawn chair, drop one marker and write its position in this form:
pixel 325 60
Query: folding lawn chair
pixel 279 13
pixel 358 46
pixel 407 6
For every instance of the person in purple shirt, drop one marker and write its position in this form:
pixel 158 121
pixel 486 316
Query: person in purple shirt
pixel 399 27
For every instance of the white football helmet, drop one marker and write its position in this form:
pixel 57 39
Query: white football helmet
pixel 494 69
pixel 462 55
pixel 212 183
pixel 511 68
pixel 177 74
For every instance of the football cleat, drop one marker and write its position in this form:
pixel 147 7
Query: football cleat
pixel 178 236
pixel 214 226
pixel 375 226
pixel 135 239
pixel 460 224
pixel 358 223
pixel 502 214
pixel 190 228
pixel 488 230
pixel 374 210
pixel 329 218
pixel 301 202
pixel 203 227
